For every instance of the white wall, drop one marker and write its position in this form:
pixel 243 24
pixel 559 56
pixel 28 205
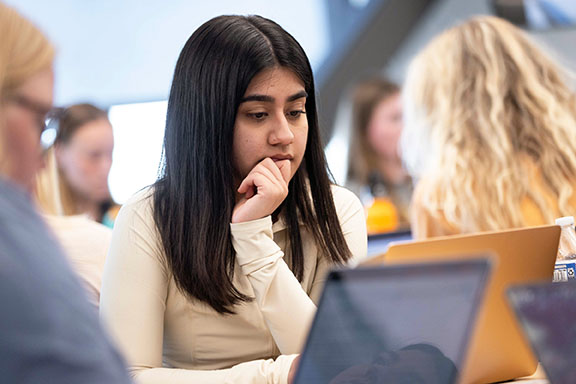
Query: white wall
pixel 124 51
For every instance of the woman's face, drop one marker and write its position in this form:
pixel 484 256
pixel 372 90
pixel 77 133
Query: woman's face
pixel 23 116
pixel 385 127
pixel 271 122
pixel 85 160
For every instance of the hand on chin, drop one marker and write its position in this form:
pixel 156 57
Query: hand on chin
pixel 262 190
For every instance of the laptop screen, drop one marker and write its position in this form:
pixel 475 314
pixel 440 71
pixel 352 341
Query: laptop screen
pixel 393 324
pixel 547 313
pixel 378 244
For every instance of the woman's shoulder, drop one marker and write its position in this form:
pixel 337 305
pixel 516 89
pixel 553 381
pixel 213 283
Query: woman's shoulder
pixel 139 205
pixel 342 193
pixel 344 199
pixel 77 223
pixel 140 199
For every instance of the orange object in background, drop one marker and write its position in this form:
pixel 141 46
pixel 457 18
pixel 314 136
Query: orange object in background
pixel 381 216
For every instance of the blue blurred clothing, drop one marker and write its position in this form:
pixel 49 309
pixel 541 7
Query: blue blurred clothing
pixel 49 333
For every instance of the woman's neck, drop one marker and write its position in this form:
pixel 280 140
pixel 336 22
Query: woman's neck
pixel 93 210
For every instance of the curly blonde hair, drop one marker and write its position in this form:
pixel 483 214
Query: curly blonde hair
pixel 483 105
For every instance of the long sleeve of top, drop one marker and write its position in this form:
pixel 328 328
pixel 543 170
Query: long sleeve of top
pixel 168 337
pixel 286 307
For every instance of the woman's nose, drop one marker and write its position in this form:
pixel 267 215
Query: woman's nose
pixel 105 164
pixel 281 132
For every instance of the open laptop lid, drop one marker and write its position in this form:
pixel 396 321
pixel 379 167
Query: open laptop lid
pixel 547 313
pixel 378 243
pixel 499 350
pixel 389 324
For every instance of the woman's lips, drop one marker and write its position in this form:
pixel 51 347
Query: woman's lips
pixel 280 158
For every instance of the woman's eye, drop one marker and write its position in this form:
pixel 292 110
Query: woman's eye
pixel 258 115
pixel 296 113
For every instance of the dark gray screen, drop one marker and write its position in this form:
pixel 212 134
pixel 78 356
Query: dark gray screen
pixel 396 324
pixel 548 315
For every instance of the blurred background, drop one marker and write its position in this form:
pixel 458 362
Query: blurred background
pixel 120 55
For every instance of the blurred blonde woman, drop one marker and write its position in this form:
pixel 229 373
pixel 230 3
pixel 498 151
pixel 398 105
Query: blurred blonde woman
pixel 82 157
pixel 46 321
pixel 490 131
pixel 84 241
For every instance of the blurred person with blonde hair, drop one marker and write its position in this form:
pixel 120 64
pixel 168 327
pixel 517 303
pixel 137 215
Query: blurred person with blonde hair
pixel 72 191
pixel 48 332
pixel 82 154
pixel 375 170
pixel 84 241
pixel 490 132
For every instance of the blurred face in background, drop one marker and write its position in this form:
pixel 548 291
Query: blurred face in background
pixel 385 127
pixel 85 160
pixel 23 115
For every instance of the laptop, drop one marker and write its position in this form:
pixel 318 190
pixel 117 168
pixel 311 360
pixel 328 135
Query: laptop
pixel 394 324
pixel 499 350
pixel 547 313
pixel 378 243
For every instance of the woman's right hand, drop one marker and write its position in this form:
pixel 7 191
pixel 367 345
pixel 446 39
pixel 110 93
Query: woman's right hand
pixel 263 190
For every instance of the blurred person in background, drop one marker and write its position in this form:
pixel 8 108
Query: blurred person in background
pixel 490 132
pixel 375 170
pixel 83 152
pixel 48 332
pixel 84 241
pixel 72 191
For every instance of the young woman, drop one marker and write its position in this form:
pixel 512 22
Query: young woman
pixel 213 273
pixel 83 157
pixel 490 131
pixel 375 168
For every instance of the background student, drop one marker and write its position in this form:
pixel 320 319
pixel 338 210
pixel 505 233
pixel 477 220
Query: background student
pixel 375 169
pixel 489 132
pixel 72 191
pixel 82 154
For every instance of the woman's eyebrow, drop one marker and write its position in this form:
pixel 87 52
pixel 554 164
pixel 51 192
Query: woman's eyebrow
pixel 297 96
pixel 270 99
pixel 265 98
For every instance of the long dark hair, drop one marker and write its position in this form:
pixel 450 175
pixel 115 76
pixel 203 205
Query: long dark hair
pixel 195 193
